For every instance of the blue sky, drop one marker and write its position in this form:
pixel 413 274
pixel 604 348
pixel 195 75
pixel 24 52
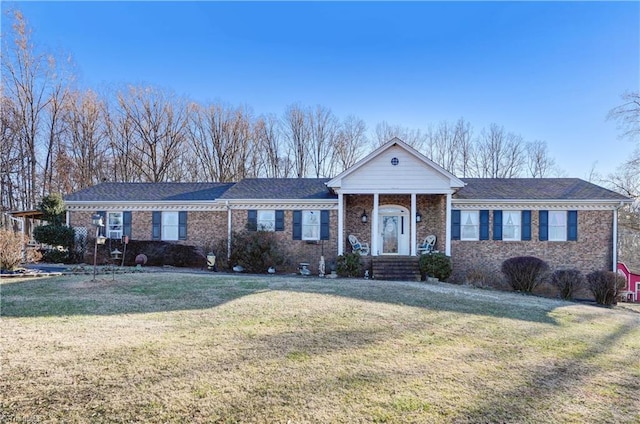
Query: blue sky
pixel 546 70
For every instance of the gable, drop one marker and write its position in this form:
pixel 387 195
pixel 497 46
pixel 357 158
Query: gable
pixel 395 167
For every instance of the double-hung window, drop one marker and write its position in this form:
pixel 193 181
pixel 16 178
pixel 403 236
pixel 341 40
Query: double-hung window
pixel 266 220
pixel 310 225
pixel 511 225
pixel 114 225
pixel 469 225
pixel 557 225
pixel 170 226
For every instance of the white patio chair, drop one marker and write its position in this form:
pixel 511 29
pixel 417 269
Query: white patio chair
pixel 428 245
pixel 357 246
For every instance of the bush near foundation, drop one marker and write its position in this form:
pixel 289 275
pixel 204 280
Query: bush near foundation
pixel 525 273
pixel 256 251
pixel 436 265
pixel 568 282
pixel 606 286
pixel 349 265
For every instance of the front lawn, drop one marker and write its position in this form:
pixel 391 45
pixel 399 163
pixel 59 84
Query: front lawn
pixel 225 348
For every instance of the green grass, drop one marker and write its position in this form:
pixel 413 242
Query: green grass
pixel 225 348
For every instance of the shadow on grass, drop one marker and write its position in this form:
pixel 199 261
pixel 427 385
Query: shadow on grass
pixel 159 292
pixel 556 382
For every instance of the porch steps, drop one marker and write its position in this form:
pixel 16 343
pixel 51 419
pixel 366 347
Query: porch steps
pixel 395 268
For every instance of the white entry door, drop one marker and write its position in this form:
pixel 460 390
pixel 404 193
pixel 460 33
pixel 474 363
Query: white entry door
pixel 393 227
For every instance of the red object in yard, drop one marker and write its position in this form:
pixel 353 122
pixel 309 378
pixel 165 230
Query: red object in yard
pixel 633 283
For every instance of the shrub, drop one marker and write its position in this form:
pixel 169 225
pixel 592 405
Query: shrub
pixel 52 207
pixel 56 256
pixel 436 265
pixel 525 273
pixel 256 251
pixel 11 245
pixel 568 282
pixel 55 235
pixel 606 286
pixel 348 265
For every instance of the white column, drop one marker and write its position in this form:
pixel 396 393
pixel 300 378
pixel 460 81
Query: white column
pixel 340 234
pixel 228 231
pixel 414 224
pixel 447 243
pixel 374 225
pixel 615 240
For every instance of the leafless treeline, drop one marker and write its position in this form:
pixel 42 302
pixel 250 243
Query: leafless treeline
pixel 59 138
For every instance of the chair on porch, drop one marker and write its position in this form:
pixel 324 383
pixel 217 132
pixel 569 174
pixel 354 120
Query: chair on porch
pixel 428 245
pixel 357 247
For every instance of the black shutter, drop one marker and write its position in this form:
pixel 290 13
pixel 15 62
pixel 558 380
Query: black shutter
pixel 182 225
pixel 543 226
pixel 572 225
pixel 279 220
pixel 484 225
pixel 324 225
pixel 497 225
pixel 526 225
pixel 126 223
pixel 297 225
pixel 156 225
pixel 455 224
pixel 252 220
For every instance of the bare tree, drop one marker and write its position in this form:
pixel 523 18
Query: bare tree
pixel 628 115
pixel 385 132
pixel 349 143
pixel 10 159
pixel 274 163
pixel 221 138
pixel 323 128
pixel 297 133
pixel 539 163
pixel 498 154
pixel 86 138
pixel 464 142
pixel 158 128
pixel 25 75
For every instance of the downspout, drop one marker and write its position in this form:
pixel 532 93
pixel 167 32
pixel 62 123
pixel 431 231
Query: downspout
pixel 615 236
pixel 228 231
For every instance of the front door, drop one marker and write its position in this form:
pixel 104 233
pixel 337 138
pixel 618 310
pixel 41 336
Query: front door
pixel 393 227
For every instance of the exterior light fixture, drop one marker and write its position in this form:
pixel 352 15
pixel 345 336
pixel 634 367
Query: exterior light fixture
pixel 418 217
pixel 364 218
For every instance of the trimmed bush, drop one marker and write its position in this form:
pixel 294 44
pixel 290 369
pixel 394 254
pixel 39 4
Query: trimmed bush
pixel 55 235
pixel 256 251
pixel 437 265
pixel 568 282
pixel 606 286
pixel 525 273
pixel 348 265
pixel 11 244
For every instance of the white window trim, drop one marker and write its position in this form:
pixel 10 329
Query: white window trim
pixel 308 213
pixel 564 227
pixel 165 227
pixel 266 220
pixel 476 225
pixel 518 225
pixel 118 231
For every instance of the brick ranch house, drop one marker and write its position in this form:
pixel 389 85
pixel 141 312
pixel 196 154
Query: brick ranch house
pixel 391 199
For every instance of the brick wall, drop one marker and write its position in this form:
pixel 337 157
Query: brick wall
pixel 591 252
pixel 298 250
pixel 431 207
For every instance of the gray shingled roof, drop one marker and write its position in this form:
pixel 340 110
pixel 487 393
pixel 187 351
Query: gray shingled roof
pixel 280 188
pixel 131 192
pixel 534 189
